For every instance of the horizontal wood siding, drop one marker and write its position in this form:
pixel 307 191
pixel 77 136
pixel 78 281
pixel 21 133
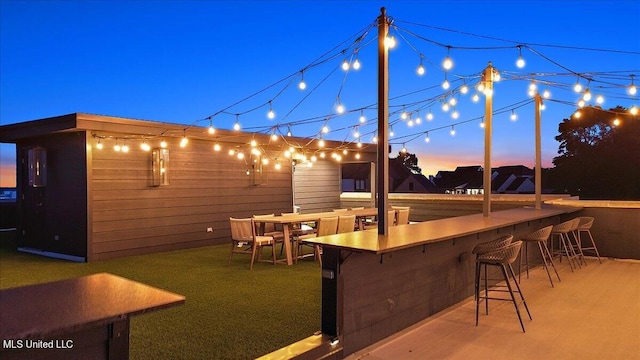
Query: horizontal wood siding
pixel 317 188
pixel 131 217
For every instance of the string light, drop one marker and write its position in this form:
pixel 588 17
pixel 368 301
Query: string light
pixel 453 131
pixel 325 129
pixel 599 99
pixel 581 103
pixel 447 63
pixel 117 146
pixel 577 114
pixel 453 101
pixel 475 97
pixel 455 114
pixel 389 41
pixel 288 130
pixel 231 152
pixel 421 70
pixel 356 63
pixel 278 166
pixel 616 122
pixel 514 116
pixel 577 87
pixel 520 62
pixel 587 95
pixel 464 89
pixel 403 115
pixel 184 141
pixel 633 110
pixel 546 94
pixel 99 145
pixel 362 118
pixel 144 146
pixel 482 123
pixel 404 149
pixel 236 125
pixel 125 148
pixel 163 143
pixel 211 130
pixel 391 133
pixel 321 142
pixel 274 137
pixel 445 83
pixel 445 107
pixel 271 114
pixel 217 147
pixel 429 115
pixel 345 65
pixel 426 139
pixel 302 85
pixel 253 143
pixel 339 106
pixel 632 88
pixel 532 89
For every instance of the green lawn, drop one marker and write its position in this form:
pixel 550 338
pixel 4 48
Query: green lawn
pixel 230 312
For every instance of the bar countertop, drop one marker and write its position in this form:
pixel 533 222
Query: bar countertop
pixel 411 235
pixel 34 311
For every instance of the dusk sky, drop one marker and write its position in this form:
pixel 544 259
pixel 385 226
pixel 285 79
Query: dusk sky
pixel 183 61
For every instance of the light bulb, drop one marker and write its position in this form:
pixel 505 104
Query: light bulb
pixel 581 103
pixel 125 148
pixel 271 114
pixel 236 126
pixel 345 65
pixel 403 150
pixel 356 133
pixel 184 141
pixel 325 129
pixel 520 62
pixel 117 147
pixel 445 107
pixel 99 145
pixel 403 115
pixel 577 87
pixel 453 101
pixel 633 110
pixel 455 114
pixel 420 70
pixel 363 119
pixel 231 152
pixel 482 124
pixel 447 64
pixel 390 42
pixel 480 87
pixel 418 120
pixel 587 95
pixel 211 130
pixel 321 143
pixel 287 153
pixel 599 99
pixel 265 161
pixel 144 146
pixel 374 139
pixel 616 122
pixel 546 94
pixel 410 123
pixel 302 85
pixel 577 114
pixel 322 155
pixel 453 131
pixel 314 158
pixel 464 89
pixel 274 137
pixel 514 116
pixel 253 143
pixel 240 156
pixel 429 116
pixel 358 156
pixel 632 90
pixel 163 144
pixel 475 98
pixel 445 84
pixel 391 133
pixel 426 139
pixel 340 109
pixel 356 64
pixel 278 166
pixel 217 147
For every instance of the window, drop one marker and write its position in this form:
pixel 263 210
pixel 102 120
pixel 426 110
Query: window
pixel 361 185
pixel 410 186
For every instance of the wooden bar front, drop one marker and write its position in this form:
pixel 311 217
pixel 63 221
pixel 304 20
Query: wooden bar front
pixel 376 285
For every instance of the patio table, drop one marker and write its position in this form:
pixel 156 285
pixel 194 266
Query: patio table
pixel 287 222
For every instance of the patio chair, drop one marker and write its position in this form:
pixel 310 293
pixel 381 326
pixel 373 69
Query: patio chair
pixel 391 218
pixel 245 241
pixel 268 229
pixel 326 226
pixel 346 223
pixel 402 216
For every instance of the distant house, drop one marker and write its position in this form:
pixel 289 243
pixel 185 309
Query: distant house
pixel 403 180
pixel 516 179
pixel 463 180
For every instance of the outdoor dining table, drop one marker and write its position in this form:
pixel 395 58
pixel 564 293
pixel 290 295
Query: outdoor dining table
pixel 288 221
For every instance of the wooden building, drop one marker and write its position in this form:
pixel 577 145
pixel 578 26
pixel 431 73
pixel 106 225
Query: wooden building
pixel 83 203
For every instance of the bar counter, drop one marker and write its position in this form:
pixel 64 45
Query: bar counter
pixel 376 285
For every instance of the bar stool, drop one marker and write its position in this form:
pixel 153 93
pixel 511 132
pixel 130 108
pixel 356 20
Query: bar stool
pixel 567 249
pixel 484 248
pixel 502 258
pixel 585 226
pixel 540 237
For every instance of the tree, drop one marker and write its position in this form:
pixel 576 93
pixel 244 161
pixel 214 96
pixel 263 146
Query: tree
pixel 599 155
pixel 408 160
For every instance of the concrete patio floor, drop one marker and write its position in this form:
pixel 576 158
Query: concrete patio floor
pixel 593 313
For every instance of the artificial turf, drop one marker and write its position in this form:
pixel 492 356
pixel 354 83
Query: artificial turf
pixel 230 311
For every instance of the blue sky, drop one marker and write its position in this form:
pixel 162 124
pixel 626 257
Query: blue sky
pixel 182 61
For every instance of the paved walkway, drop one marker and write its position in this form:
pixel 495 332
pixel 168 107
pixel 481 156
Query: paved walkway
pixel 594 313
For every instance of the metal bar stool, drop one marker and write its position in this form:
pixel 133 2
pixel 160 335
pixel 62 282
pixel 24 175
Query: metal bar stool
pixel 585 226
pixel 567 249
pixel 502 258
pixel 484 248
pixel 540 237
